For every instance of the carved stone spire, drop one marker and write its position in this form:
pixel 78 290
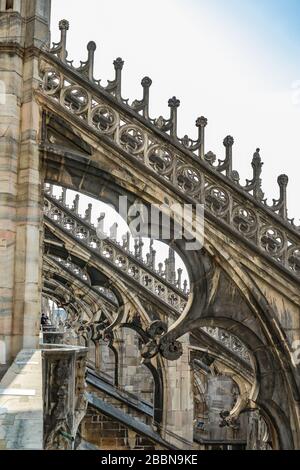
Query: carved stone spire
pixel 63 196
pixel 201 123
pixel 174 104
pixel 87 68
pixel 138 248
pixel 100 220
pixel 160 269
pixel 126 241
pixel 143 105
pixel 152 255
pixel 60 48
pixel 179 278
pixel 113 232
pixel 257 170
pixel 115 86
pixel 88 214
pixel 280 206
pixel 170 267
pixel 75 207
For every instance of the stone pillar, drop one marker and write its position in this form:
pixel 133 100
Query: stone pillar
pixel 178 426
pixel 97 356
pixel 24 29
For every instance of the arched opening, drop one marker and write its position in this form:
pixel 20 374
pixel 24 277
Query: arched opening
pixel 110 225
pixel 216 397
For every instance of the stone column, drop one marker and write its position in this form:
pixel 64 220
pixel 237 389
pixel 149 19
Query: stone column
pixel 178 426
pixel 24 29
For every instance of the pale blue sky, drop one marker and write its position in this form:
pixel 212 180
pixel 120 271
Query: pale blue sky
pixel 236 62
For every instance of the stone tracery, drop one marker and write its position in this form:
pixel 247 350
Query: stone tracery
pixel 231 326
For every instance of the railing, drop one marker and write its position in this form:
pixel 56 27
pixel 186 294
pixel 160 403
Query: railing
pixel 119 257
pixel 154 144
pixel 230 342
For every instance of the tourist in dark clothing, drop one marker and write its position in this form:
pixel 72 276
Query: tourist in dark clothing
pixel 44 320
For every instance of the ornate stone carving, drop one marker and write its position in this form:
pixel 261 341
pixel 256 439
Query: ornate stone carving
pixel 229 421
pixel 64 399
pixel 170 348
pixel 169 161
pixel 229 341
pixel 155 282
pixel 161 343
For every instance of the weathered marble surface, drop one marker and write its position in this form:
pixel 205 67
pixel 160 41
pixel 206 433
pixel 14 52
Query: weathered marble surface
pixel 24 26
pixel 21 403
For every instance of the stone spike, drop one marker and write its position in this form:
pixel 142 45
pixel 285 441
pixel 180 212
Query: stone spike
pixel 91 47
pixel 118 64
pixel 174 104
pixel 185 286
pixel 63 196
pixel 201 123
pixel 257 170
pixel 171 254
pixel 113 231
pixel 167 269
pixel 61 47
pixel 171 267
pixel 146 84
pixel 88 213
pixel 160 269
pixel 141 245
pixel 228 144
pixel 75 207
pixel 100 221
pixel 115 86
pixel 179 278
pixel 126 241
pixel 138 248
pixel 153 261
pixel 148 258
pixel 143 105
pixel 152 255
pixel 283 181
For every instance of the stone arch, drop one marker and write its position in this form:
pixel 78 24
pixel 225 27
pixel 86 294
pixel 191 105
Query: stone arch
pixel 87 178
pixel 272 349
pixel 266 379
